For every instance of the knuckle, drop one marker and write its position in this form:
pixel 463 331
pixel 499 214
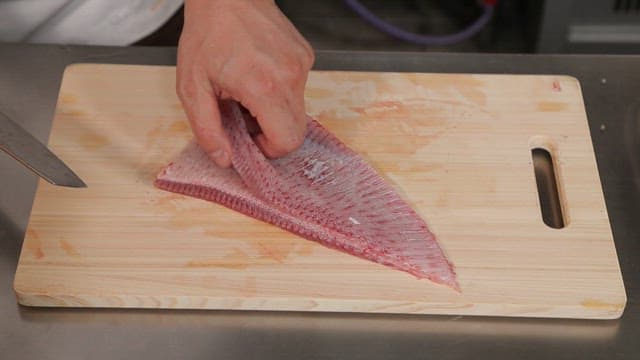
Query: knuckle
pixel 269 84
pixel 189 90
pixel 256 75
pixel 266 81
pixel 185 90
pixel 310 57
pixel 293 72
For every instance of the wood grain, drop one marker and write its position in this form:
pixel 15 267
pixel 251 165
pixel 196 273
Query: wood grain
pixel 457 147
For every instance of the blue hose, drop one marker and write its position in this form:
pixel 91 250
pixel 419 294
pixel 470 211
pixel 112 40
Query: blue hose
pixel 429 40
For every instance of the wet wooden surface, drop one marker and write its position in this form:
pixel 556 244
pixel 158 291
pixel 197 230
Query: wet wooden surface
pixel 457 147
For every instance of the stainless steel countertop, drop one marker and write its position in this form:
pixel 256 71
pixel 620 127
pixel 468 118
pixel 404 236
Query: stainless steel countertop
pixel 29 81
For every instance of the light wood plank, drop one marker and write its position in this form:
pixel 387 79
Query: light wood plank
pixel 456 146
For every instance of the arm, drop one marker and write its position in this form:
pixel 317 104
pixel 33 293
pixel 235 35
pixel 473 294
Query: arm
pixel 246 50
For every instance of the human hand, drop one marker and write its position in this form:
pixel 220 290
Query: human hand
pixel 246 50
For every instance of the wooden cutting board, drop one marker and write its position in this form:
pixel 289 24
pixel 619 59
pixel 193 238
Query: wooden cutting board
pixel 457 147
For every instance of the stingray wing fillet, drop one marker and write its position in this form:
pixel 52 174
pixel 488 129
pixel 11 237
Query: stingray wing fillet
pixel 323 191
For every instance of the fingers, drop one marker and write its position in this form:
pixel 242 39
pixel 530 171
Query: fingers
pixel 305 52
pixel 283 129
pixel 202 110
pixel 250 52
pixel 278 105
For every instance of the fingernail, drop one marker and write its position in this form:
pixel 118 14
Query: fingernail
pixel 220 157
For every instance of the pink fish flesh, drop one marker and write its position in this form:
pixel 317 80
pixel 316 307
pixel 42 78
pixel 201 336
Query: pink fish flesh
pixel 323 191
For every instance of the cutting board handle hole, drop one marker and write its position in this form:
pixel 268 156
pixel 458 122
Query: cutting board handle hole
pixel 548 185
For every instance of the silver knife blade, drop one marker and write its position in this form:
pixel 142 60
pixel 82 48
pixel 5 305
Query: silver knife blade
pixel 22 146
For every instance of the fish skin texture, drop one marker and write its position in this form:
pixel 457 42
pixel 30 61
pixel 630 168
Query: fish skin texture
pixel 323 191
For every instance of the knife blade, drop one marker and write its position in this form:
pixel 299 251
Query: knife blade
pixel 26 149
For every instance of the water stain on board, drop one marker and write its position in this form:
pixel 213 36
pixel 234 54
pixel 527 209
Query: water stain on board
pixel 68 111
pixel 237 260
pixel 67 105
pixel 276 251
pixel 399 115
pixel 468 86
pixel 305 249
pixel 33 244
pixel 162 143
pixel 402 126
pixel 442 200
pixel 595 304
pixel 318 93
pixel 174 128
pixel 190 217
pixel 92 141
pixel 382 109
pixel 68 98
pixel 178 127
pixel 551 106
pixel 185 212
pixel 148 171
pixel 68 248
